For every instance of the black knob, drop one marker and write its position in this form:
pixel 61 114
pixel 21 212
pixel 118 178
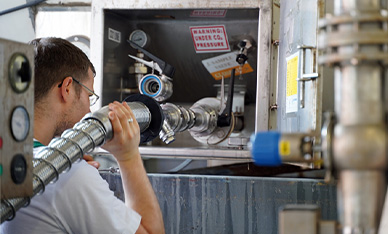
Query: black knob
pixel 18 169
pixel 241 59
pixel 24 72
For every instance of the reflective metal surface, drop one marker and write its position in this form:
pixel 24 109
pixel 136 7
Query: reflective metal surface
pixel 167 25
pixel 354 40
pixel 230 204
pixel 195 153
pixel 298 37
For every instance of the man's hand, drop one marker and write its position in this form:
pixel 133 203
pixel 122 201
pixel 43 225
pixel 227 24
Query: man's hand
pixel 138 191
pixel 126 135
pixel 90 160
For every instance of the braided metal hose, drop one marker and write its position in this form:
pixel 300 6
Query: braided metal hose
pixel 92 131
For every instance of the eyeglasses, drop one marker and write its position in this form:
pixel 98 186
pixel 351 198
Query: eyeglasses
pixel 93 97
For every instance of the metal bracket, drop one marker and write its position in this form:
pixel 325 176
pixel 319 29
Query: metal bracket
pixel 309 76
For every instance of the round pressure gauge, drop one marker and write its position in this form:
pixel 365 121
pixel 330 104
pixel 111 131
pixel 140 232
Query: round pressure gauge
pixel 19 72
pixel 20 123
pixel 139 37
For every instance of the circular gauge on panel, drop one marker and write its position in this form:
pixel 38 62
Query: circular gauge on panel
pixel 19 72
pixel 20 123
pixel 140 38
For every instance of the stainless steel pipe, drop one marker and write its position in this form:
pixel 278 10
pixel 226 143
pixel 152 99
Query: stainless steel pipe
pixel 359 148
pixel 355 41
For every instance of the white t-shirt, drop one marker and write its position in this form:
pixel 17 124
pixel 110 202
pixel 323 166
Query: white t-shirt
pixel 79 202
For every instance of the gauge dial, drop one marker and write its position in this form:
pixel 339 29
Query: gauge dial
pixel 20 123
pixel 139 37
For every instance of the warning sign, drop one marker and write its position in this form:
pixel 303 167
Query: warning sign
pixel 223 65
pixel 209 39
pixel 292 83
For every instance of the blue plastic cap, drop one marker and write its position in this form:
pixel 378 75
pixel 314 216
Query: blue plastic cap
pixel 265 148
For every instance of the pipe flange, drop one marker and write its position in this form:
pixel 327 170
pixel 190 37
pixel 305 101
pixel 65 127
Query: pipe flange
pixel 157 116
pixel 173 115
pixel 205 129
pixel 342 38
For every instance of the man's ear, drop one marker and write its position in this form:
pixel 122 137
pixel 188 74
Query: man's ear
pixel 65 89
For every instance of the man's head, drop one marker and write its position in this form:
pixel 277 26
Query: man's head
pixel 56 59
pixel 63 81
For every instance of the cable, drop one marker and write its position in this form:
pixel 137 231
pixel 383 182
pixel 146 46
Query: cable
pixel 30 4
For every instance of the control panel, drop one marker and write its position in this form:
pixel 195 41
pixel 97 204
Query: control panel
pixel 16 118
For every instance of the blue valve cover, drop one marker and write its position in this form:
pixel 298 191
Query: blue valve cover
pixel 265 148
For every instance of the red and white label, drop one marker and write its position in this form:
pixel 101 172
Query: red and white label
pixel 208 13
pixel 208 39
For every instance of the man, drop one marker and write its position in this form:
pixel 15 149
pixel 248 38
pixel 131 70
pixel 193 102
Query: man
pixel 80 201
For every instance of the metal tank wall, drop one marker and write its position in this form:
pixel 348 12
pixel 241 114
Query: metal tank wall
pixel 230 204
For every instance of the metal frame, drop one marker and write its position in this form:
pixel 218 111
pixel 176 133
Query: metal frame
pixel 264 40
pixel 264 69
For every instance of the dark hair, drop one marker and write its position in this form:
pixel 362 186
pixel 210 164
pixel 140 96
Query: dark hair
pixel 56 59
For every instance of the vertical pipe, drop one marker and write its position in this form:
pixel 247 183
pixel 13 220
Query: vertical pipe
pixel 359 147
pixel 359 143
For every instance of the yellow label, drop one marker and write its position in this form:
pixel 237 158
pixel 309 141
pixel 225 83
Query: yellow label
pixel 228 72
pixel 284 148
pixel 292 75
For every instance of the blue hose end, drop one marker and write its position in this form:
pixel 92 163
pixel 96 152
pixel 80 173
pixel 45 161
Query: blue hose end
pixel 265 148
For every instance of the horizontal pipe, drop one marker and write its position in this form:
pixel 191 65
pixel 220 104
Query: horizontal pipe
pixel 194 153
